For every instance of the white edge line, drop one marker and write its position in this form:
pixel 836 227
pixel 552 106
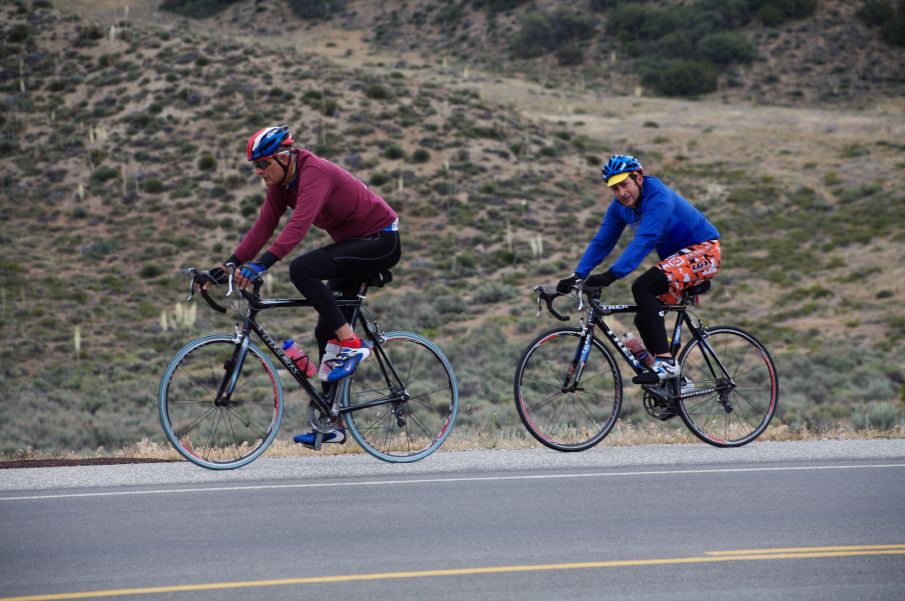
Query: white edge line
pixel 444 480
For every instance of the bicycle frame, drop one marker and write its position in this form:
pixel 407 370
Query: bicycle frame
pixel 326 403
pixel 595 318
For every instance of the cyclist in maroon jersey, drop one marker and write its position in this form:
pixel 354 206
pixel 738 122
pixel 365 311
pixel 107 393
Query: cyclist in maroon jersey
pixel 364 228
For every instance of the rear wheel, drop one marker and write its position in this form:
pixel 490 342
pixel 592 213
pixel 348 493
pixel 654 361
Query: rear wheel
pixel 403 400
pixel 198 419
pixel 560 413
pixel 728 406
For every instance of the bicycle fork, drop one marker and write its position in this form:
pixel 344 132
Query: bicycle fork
pixel 576 368
pixel 231 370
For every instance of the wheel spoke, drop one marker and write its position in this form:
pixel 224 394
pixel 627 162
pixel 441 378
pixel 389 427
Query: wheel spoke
pixel 429 390
pixel 567 419
pixel 219 437
pixel 750 398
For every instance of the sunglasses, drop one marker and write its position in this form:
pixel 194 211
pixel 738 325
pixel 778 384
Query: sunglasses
pixel 262 164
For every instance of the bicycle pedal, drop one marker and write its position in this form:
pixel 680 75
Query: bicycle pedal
pixel 318 439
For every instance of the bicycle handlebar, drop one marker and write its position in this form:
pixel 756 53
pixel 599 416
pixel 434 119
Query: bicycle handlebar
pixel 202 277
pixel 549 297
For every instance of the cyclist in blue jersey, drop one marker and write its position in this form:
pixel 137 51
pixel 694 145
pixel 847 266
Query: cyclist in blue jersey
pixel 687 244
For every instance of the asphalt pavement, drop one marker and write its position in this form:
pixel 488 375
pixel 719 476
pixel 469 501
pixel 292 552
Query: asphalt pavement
pixel 771 521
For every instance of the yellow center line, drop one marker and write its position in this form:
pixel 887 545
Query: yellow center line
pixel 710 557
pixel 808 550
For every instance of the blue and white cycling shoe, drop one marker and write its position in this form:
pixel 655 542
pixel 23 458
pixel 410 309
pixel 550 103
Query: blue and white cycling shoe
pixel 660 371
pixel 308 439
pixel 347 360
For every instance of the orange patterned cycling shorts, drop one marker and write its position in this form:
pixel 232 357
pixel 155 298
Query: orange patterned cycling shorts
pixel 688 267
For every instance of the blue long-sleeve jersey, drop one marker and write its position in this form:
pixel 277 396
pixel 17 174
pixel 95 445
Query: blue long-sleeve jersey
pixel 662 219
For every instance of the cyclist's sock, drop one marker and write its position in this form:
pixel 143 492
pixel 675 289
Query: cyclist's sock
pixel 331 352
pixel 353 342
pixel 353 352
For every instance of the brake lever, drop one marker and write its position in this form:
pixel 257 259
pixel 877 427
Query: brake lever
pixel 231 268
pixel 194 274
pixel 540 309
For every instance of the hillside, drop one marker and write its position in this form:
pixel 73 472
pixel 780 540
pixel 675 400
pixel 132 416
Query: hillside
pixel 122 162
pixel 826 56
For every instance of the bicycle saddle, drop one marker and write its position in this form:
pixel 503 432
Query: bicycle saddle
pixel 379 280
pixel 701 288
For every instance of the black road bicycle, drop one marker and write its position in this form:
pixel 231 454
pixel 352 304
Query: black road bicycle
pixel 568 387
pixel 221 398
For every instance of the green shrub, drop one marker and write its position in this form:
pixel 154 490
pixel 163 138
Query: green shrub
pixel 876 12
pixel 99 248
pixel 196 9
pixel 727 47
pixel 498 5
pixel 893 31
pixel 394 152
pixel 541 33
pixel 104 173
pixel 18 33
pixel 602 5
pixel 317 9
pixel 421 156
pixel 380 178
pixel 570 56
pixel 150 271
pixel 152 185
pixel 776 12
pixel 8 147
pixel 493 292
pixel 89 34
pixel 207 162
pixel 636 21
pixel 378 91
pixel 329 107
pixel 680 77
pixel 877 416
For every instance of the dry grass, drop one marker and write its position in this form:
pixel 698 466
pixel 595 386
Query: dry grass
pixel 625 434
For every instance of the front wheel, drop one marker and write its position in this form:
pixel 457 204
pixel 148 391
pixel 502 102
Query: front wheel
pixel 730 387
pixel 208 427
pixel 402 402
pixel 560 412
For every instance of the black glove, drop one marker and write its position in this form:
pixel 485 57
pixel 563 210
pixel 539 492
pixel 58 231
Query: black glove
pixel 600 280
pixel 217 275
pixel 564 285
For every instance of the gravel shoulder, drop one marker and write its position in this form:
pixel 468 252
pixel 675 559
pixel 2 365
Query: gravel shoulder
pixel 451 463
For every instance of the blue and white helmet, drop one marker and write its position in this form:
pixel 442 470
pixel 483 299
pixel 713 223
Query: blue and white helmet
pixel 618 167
pixel 268 141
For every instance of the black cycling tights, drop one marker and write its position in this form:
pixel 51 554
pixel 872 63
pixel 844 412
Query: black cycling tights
pixel 344 265
pixel 651 284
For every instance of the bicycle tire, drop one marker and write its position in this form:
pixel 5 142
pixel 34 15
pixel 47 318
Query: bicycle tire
pixel 227 436
pixel 561 419
pixel 744 410
pixel 411 429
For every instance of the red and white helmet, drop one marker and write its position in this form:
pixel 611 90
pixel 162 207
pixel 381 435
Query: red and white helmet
pixel 268 141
